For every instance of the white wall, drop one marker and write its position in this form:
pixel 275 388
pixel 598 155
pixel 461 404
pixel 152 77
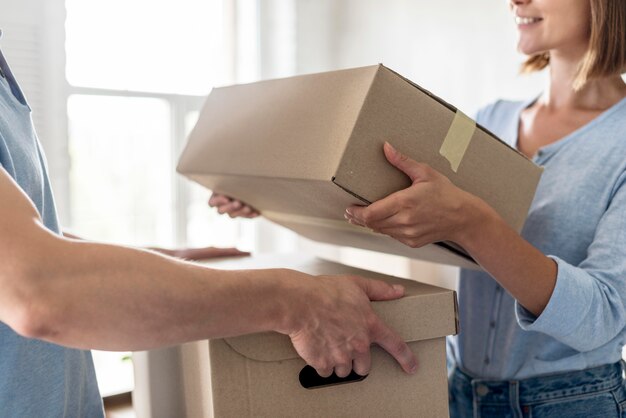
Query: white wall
pixel 463 51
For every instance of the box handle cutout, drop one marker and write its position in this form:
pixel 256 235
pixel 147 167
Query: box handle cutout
pixel 309 379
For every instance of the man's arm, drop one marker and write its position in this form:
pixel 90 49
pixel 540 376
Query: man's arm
pixel 195 254
pixel 88 295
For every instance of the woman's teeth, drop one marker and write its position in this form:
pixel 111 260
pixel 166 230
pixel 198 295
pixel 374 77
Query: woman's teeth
pixel 526 20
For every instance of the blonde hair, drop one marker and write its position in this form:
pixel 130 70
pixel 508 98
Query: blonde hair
pixel 606 55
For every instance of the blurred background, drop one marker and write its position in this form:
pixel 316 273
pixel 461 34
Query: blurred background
pixel 115 87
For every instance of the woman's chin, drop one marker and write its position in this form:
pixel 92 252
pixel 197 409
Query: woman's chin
pixel 529 50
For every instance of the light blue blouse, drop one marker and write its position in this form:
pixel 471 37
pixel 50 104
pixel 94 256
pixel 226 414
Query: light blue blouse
pixel 578 218
pixel 37 379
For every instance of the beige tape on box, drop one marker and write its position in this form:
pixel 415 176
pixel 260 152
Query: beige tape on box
pixel 457 139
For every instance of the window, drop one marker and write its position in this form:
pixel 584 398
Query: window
pixel 138 72
pixel 120 149
pixel 146 45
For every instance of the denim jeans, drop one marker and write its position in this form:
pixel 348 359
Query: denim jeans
pixel 598 392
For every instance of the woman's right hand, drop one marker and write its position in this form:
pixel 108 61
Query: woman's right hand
pixel 232 207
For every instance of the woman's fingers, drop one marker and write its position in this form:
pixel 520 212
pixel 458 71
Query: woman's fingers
pixel 232 207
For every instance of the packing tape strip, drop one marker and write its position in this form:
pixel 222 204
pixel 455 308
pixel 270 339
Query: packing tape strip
pixel 457 139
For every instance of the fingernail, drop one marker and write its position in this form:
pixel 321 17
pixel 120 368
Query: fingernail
pixel 413 368
pixel 391 148
pixel 349 211
pixel 398 288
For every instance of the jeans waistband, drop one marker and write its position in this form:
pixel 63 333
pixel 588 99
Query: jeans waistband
pixel 541 388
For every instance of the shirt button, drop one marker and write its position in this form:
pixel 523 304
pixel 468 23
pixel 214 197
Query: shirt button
pixel 482 390
pixel 492 324
pixel 486 361
pixel 498 289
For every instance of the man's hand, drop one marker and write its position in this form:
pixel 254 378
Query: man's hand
pixel 232 207
pixel 199 254
pixel 191 254
pixel 337 325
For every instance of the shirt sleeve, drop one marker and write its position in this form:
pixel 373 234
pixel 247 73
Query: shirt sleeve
pixel 587 307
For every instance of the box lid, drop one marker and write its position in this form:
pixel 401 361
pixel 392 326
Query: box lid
pixel 425 312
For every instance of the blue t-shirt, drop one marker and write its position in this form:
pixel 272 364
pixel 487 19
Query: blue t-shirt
pixel 37 379
pixel 578 218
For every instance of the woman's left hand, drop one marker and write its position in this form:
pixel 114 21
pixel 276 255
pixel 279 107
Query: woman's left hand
pixel 432 209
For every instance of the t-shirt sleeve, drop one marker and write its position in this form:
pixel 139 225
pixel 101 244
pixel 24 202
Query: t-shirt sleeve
pixel 587 307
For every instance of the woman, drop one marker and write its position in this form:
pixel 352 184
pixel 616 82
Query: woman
pixel 542 329
pixel 551 342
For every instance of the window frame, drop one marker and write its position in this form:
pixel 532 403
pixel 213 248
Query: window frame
pixel 180 106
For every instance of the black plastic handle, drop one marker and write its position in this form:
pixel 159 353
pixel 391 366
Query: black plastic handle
pixel 309 379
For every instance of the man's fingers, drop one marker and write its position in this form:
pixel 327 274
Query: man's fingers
pixel 206 253
pixel 377 290
pixel 394 345
pixel 343 370
pixel 229 252
pixel 362 364
pixel 408 166
pixel 324 372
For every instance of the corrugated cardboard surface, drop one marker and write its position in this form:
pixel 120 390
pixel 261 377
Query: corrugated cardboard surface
pixel 416 124
pixel 312 145
pixel 294 128
pixel 257 375
pixel 248 388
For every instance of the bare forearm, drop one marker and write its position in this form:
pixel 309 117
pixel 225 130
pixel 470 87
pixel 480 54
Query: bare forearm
pixel 524 271
pixel 117 298
pixel 89 295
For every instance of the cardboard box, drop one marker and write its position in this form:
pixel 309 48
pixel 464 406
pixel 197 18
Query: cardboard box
pixel 258 375
pixel 304 148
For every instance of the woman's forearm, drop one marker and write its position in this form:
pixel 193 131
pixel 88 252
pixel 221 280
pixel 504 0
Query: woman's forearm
pixel 524 271
pixel 433 209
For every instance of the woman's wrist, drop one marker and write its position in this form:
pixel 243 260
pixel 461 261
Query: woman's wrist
pixel 478 221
